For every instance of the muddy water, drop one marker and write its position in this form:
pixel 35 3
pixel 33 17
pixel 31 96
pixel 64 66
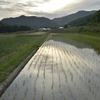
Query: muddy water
pixel 58 71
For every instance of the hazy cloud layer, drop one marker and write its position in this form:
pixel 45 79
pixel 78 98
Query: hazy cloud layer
pixel 10 8
pixel 46 0
pixel 4 2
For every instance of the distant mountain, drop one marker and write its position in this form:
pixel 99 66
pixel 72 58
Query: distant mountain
pixel 88 20
pixel 96 18
pixel 65 20
pixel 81 21
pixel 1 23
pixel 31 21
pixel 39 22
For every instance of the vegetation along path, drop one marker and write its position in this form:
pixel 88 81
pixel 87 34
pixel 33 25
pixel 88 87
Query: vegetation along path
pixel 58 71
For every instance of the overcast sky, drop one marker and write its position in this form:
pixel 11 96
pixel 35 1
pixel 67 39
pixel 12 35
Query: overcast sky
pixel 45 8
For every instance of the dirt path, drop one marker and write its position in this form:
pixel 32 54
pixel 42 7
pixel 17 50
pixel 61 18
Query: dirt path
pixel 58 71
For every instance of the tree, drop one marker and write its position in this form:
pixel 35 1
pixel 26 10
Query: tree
pixel 65 26
pixel 15 28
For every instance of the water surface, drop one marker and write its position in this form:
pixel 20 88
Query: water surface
pixel 58 71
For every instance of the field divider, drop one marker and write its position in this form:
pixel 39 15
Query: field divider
pixel 4 85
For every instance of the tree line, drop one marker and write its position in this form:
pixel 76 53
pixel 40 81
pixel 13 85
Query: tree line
pixel 15 28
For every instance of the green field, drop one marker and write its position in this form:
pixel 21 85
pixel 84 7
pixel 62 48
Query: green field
pixel 64 68
pixel 78 39
pixel 90 30
pixel 14 48
pixel 93 41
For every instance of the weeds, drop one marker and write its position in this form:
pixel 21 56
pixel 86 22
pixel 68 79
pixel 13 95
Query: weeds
pixel 23 82
pixel 16 56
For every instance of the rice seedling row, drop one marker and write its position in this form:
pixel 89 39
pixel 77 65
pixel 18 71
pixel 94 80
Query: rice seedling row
pixel 58 71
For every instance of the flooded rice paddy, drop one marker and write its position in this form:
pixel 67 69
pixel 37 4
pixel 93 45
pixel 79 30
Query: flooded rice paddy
pixel 58 71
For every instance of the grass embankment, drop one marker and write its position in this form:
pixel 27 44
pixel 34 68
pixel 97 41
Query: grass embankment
pixel 14 48
pixel 90 30
pixel 67 30
pixel 93 41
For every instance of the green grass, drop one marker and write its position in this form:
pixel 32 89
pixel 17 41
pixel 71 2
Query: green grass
pixel 18 47
pixel 93 41
pixel 90 30
pixel 67 30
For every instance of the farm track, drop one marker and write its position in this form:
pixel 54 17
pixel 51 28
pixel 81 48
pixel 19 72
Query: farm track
pixel 58 71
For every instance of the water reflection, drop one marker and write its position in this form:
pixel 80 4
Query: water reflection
pixel 58 71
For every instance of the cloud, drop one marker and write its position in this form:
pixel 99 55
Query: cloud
pixel 6 9
pixel 5 6
pixel 43 14
pixel 83 5
pixel 88 4
pixel 47 0
pixel 28 4
pixel 4 2
pixel 32 7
